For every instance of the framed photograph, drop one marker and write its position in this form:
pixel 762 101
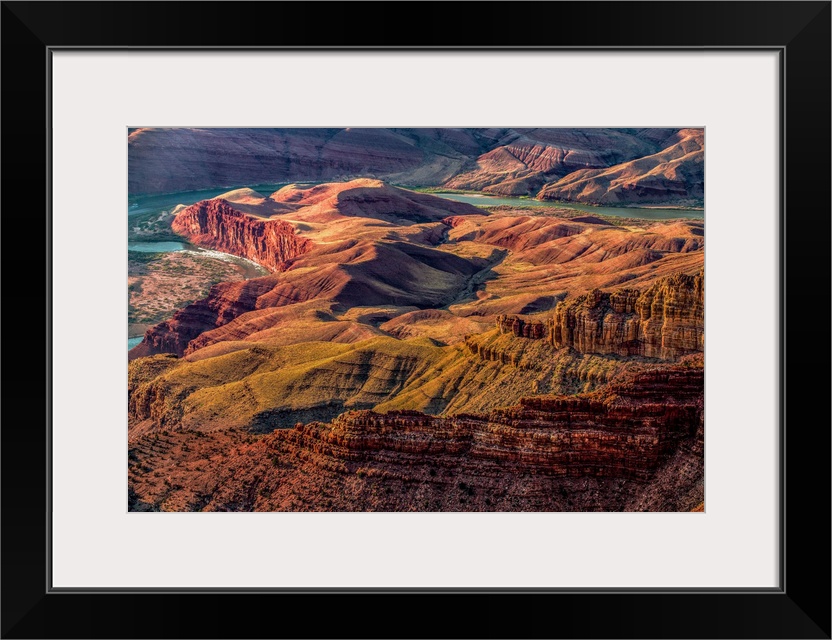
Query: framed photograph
pixel 416 313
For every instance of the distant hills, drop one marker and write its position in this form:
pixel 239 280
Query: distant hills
pixel 627 166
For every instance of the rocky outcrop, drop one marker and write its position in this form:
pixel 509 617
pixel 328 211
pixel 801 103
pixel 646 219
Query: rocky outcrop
pixel 218 225
pixel 666 321
pixel 521 328
pixel 595 452
pixel 624 431
pixel 491 353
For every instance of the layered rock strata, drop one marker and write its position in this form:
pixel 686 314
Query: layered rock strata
pixel 218 225
pixel 491 353
pixel 595 452
pixel 664 321
pixel 521 328
pixel 674 174
pixel 624 431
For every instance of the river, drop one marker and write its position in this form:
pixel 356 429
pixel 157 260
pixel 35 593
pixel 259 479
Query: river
pixel 157 203
pixel 137 205
pixel 161 202
pixel 250 268
pixel 644 213
pixel 157 247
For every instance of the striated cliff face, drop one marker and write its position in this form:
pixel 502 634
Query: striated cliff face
pixel 554 453
pixel 665 321
pixel 491 353
pixel 218 225
pixel 624 431
pixel 521 328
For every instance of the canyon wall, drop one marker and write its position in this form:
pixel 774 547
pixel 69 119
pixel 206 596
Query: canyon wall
pixel 521 328
pixel 666 320
pixel 217 225
pixel 593 452
pixel 165 160
pixel 527 159
pixel 624 431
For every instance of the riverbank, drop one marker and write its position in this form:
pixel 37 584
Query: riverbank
pixel 159 283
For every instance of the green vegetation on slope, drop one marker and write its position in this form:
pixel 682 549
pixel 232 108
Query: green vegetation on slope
pixel 265 387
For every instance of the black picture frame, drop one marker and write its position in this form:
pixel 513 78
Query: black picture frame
pixel 799 608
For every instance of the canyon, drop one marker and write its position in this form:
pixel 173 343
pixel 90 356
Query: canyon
pixel 411 251
pixel 410 352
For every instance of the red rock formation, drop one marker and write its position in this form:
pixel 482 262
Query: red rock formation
pixel 521 328
pixel 595 452
pixel 624 431
pixel 490 353
pixel 218 225
pixel 665 321
pixel 374 268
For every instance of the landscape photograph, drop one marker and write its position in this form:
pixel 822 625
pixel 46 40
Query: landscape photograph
pixel 415 319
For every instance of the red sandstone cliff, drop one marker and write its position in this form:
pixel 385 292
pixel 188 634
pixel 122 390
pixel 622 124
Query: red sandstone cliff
pixel 623 431
pixel 674 174
pixel 521 328
pixel 597 451
pixel 216 224
pixel 665 321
